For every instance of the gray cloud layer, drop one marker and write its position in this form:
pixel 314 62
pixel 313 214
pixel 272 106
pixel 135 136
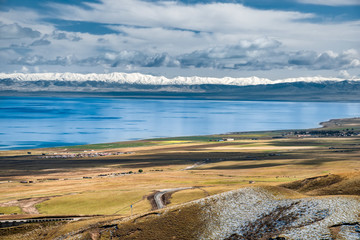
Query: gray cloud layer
pixel 260 54
pixel 14 31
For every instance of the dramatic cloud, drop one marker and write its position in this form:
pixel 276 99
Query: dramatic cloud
pixel 246 54
pixel 259 54
pixel 14 31
pixel 166 24
pixel 326 60
pixel 220 18
pixel 170 36
pixel 266 58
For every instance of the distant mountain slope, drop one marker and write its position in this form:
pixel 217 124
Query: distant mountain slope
pixel 139 85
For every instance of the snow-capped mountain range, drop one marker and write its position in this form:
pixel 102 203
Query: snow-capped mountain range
pixel 142 79
pixel 140 85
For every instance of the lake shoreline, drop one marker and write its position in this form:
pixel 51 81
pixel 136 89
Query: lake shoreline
pixel 330 124
pixel 242 96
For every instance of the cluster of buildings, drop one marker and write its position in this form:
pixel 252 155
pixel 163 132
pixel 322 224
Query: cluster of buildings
pixel 326 133
pixel 222 140
pixel 84 154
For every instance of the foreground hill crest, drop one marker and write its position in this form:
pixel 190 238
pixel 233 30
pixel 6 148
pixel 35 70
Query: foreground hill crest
pixel 250 213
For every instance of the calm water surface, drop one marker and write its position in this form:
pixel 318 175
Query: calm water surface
pixel 46 122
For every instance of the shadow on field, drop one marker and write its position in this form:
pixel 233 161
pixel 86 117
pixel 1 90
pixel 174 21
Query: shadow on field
pixel 298 143
pixel 240 160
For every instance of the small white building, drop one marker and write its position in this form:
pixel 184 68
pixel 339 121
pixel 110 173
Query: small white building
pixel 229 139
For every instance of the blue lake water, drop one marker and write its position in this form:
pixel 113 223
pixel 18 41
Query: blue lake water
pixel 28 122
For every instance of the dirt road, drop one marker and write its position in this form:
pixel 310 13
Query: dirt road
pixel 27 205
pixel 158 196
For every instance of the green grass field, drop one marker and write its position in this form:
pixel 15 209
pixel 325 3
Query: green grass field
pixel 10 210
pixel 97 203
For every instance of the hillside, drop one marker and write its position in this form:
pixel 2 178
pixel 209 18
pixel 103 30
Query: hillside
pixel 252 213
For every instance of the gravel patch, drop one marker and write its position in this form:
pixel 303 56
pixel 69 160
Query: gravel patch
pixel 255 213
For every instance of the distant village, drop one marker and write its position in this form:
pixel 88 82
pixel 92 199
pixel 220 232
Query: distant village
pixel 326 133
pixel 306 133
pixel 84 154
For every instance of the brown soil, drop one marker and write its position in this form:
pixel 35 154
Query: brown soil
pixel 27 205
pixel 166 198
pixel 151 199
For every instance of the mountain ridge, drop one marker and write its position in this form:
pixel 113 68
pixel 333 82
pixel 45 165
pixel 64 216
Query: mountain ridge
pixel 144 86
pixel 143 79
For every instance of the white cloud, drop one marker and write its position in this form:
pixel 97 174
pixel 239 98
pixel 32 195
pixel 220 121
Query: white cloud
pixel 344 74
pixel 61 35
pixel 168 34
pixel 331 2
pixel 24 69
pixel 26 18
pixel 161 23
pixel 15 31
pixel 212 17
pixel 40 42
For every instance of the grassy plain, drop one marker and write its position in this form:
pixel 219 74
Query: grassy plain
pixel 99 185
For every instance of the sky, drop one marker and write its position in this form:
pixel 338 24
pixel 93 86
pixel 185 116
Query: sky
pixel 240 38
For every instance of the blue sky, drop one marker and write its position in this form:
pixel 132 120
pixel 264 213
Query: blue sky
pixel 239 38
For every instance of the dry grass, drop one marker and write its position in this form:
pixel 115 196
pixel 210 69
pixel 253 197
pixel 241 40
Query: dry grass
pixel 187 195
pixel 228 166
pixel 97 202
pixel 225 169
pixel 10 210
pixel 333 184
pixel 184 223
pixel 74 228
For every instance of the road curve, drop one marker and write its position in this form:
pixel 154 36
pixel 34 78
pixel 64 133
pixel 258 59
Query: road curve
pixel 158 195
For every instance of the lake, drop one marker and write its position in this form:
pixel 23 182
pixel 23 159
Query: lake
pixel 30 122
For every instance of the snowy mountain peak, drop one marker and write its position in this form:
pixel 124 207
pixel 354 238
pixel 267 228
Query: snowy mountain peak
pixel 142 79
